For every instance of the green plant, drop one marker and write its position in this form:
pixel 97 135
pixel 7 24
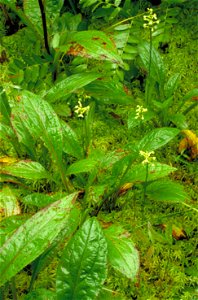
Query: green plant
pixel 160 92
pixel 59 176
pixel 37 134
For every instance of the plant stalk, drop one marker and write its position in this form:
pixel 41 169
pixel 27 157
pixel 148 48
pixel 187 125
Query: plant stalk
pixel 13 287
pixel 144 190
pixel 149 70
pixel 187 110
pixel 43 16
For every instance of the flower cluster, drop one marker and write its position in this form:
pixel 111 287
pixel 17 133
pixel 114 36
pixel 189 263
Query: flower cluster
pixel 80 110
pixel 150 19
pixel 140 110
pixel 148 158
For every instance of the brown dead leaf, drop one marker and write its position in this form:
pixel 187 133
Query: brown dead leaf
pixel 177 232
pixel 189 144
pixel 77 50
pixel 125 188
pixel 6 160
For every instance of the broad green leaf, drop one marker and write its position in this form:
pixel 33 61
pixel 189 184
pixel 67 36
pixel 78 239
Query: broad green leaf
pixel 191 94
pixel 41 294
pixel 108 92
pixel 120 38
pixel 4 107
pixel 128 56
pixel 9 205
pixel 33 237
pixel 172 20
pixel 171 86
pixel 138 172
pixel 41 200
pixel 23 133
pixel 122 254
pixel 119 168
pixel 179 120
pixel 25 19
pixel 92 44
pixel 122 27
pixel 7 2
pixel 53 8
pixel 69 22
pixel 10 179
pixel 9 225
pixel 41 122
pixel 131 49
pixel 95 193
pixel 69 85
pixel 38 199
pixel 54 249
pixel 82 269
pixel 157 66
pixel 26 169
pixel 157 138
pixel 7 134
pixel 32 11
pixel 84 165
pixel 107 160
pixel 71 144
pixel 166 191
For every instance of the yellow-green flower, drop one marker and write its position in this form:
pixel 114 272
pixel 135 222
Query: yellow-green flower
pixel 150 20
pixel 80 110
pixel 140 110
pixel 148 158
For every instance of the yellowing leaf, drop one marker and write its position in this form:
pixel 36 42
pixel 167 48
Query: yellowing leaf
pixel 9 205
pixel 7 160
pixel 190 144
pixel 178 233
pixel 125 187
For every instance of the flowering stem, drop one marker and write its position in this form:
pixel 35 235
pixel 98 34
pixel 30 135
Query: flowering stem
pixel 86 137
pixel 149 70
pixel 150 52
pixel 144 190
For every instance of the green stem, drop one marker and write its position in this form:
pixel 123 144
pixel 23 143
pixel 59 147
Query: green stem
pixel 66 182
pixel 187 110
pixel 144 190
pixel 129 19
pixel 33 278
pixel 86 137
pixel 149 70
pixel 13 287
